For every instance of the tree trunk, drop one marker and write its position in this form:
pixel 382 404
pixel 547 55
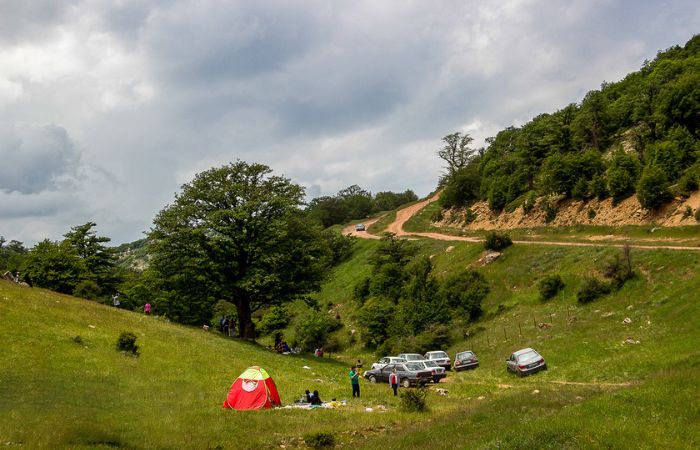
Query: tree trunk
pixel 246 327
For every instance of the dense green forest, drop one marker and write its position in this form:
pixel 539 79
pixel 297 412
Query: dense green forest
pixel 639 135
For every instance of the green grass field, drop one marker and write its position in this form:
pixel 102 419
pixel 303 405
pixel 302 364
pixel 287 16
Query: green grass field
pixel 599 391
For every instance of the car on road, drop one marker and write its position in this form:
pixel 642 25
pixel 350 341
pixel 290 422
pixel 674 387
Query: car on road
pixel 525 361
pixel 410 374
pixel 437 371
pixel 411 356
pixel 466 360
pixel 387 360
pixel 360 227
pixel 441 358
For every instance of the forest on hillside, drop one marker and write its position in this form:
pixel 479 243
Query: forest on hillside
pixel 638 135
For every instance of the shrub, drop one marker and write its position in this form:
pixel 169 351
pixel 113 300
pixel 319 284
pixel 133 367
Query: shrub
pixel 591 214
pixel 550 286
pixel 437 216
pixel 618 268
pixel 276 319
pixel 688 212
pixel 598 187
pixel 414 400
pixel 465 291
pixel 127 343
pixel 469 216
pixel 652 189
pixel 87 289
pixel 530 201
pixel 361 290
pixel 688 184
pixel 314 329
pixel 592 289
pixel 320 440
pixel 550 212
pixel 497 242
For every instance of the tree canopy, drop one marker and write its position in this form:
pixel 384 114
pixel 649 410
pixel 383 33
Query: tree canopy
pixel 235 233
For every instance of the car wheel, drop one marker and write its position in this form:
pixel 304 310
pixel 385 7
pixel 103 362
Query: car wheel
pixel 372 379
pixel 436 380
pixel 405 383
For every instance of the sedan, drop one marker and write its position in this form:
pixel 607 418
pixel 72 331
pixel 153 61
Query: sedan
pixel 440 357
pixel 360 227
pixel 387 360
pixel 466 360
pixel 437 371
pixel 525 361
pixel 410 374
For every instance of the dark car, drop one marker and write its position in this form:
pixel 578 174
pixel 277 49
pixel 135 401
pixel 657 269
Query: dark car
pixel 525 361
pixel 410 374
pixel 466 360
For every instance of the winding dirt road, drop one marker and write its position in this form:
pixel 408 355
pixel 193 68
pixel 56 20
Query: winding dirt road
pixel 403 215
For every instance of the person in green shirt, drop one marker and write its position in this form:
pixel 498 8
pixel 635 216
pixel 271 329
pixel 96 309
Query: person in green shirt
pixel 355 381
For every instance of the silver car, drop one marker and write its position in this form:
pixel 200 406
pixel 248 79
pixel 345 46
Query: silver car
pixel 466 360
pixel 437 371
pixel 441 358
pixel 411 356
pixel 525 361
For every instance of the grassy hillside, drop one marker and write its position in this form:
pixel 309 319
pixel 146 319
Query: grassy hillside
pixel 599 391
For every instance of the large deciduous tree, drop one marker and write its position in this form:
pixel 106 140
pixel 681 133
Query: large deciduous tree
pixel 235 233
pixel 456 152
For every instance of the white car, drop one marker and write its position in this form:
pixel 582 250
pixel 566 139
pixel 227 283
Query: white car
pixel 411 357
pixel 441 358
pixel 437 371
pixel 387 360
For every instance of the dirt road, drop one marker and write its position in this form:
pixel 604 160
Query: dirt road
pixel 403 215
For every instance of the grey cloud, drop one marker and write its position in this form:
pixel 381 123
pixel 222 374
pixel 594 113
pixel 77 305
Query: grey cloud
pixel 36 158
pixel 22 20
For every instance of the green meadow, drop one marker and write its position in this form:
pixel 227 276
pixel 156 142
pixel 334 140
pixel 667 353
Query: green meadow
pixel 610 384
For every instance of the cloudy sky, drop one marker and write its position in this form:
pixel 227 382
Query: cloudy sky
pixel 107 107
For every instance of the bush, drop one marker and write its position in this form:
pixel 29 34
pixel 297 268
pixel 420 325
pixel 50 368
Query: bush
pixel 688 184
pixel 591 213
pixel 652 189
pixel 414 400
pixel 497 242
pixel 469 216
pixel 465 292
pixel 550 286
pixel 127 343
pixel 320 440
pixel 530 201
pixel 314 329
pixel 87 289
pixel 592 289
pixel 550 211
pixel 618 269
pixel 276 319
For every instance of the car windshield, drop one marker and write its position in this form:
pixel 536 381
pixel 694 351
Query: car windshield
pixel 430 364
pixel 436 355
pixel 465 355
pixel 413 357
pixel 414 366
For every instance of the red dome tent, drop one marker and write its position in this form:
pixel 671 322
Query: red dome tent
pixel 254 389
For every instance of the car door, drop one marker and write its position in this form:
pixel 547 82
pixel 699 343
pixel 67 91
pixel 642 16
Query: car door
pixel 386 371
pixel 512 363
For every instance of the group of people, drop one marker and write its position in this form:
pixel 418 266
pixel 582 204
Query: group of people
pixel 116 302
pixel 313 398
pixel 227 326
pixel 354 375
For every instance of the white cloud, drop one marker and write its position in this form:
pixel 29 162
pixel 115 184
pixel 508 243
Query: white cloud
pixel 329 94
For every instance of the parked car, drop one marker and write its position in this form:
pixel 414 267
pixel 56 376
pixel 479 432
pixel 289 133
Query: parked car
pixel 410 374
pixel 360 227
pixel 440 357
pixel 387 360
pixel 466 360
pixel 411 356
pixel 525 361
pixel 437 371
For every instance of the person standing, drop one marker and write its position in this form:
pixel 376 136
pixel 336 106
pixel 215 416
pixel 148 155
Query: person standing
pixel 394 381
pixel 355 381
pixel 115 300
pixel 147 309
